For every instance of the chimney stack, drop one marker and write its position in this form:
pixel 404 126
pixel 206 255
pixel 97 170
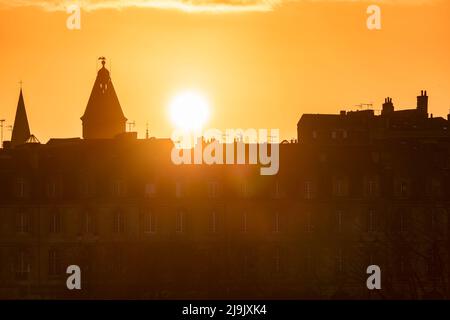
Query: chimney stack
pixel 388 106
pixel 422 103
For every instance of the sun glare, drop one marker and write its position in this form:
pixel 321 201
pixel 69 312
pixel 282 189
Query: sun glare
pixel 189 111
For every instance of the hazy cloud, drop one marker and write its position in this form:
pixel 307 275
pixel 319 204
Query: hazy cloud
pixel 184 5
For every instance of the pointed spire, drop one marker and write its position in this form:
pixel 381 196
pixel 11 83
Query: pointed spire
pixel 21 129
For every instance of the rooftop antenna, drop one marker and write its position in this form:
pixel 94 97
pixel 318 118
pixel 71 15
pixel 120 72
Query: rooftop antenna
pixel 146 131
pixel 2 121
pixel 362 105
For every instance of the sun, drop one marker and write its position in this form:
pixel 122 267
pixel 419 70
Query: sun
pixel 189 111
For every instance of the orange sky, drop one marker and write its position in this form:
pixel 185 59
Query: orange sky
pixel 259 69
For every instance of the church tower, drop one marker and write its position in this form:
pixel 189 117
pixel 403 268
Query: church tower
pixel 103 117
pixel 21 129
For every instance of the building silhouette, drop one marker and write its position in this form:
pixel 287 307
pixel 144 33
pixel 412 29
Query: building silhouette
pixel 21 129
pixel 355 189
pixel 103 117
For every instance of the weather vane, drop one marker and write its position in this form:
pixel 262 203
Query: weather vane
pixel 103 59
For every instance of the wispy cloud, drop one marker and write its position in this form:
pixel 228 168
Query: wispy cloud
pixel 184 5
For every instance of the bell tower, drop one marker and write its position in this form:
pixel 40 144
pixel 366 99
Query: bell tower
pixel 103 117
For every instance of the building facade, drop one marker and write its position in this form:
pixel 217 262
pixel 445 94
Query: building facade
pixel 355 190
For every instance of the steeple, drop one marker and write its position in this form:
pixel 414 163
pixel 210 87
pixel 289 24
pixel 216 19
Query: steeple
pixel 21 129
pixel 103 117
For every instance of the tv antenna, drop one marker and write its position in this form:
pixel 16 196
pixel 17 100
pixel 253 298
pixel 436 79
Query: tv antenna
pixel 364 105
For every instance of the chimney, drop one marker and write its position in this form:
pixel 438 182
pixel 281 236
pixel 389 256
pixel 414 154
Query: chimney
pixel 422 103
pixel 388 106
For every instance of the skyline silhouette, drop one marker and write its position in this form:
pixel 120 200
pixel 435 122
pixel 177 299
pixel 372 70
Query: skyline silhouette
pixel 258 69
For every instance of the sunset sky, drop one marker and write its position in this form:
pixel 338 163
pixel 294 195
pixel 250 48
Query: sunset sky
pixel 260 64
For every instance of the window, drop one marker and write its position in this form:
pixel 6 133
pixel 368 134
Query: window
pixel 89 222
pixel 179 223
pixel 339 218
pixel 371 221
pixel 334 135
pixel 371 187
pixel 213 222
pixel 314 134
pixel 244 189
pixel 54 263
pixel 433 219
pixel 87 188
pixel 309 264
pixel 179 190
pixel 277 261
pixel 245 264
pixel 403 221
pixel 52 188
pixel 149 222
pixel 21 188
pixel 212 189
pixel 433 262
pixel 22 265
pixel 150 190
pixel 345 134
pixel 244 222
pixel 309 223
pixel 277 190
pixel 340 187
pixel 119 222
pixel 308 190
pixel 276 223
pixel 402 265
pixel 340 268
pixel 119 188
pixel 402 188
pixel 23 222
pixel 55 222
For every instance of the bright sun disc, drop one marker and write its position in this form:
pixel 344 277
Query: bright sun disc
pixel 189 111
